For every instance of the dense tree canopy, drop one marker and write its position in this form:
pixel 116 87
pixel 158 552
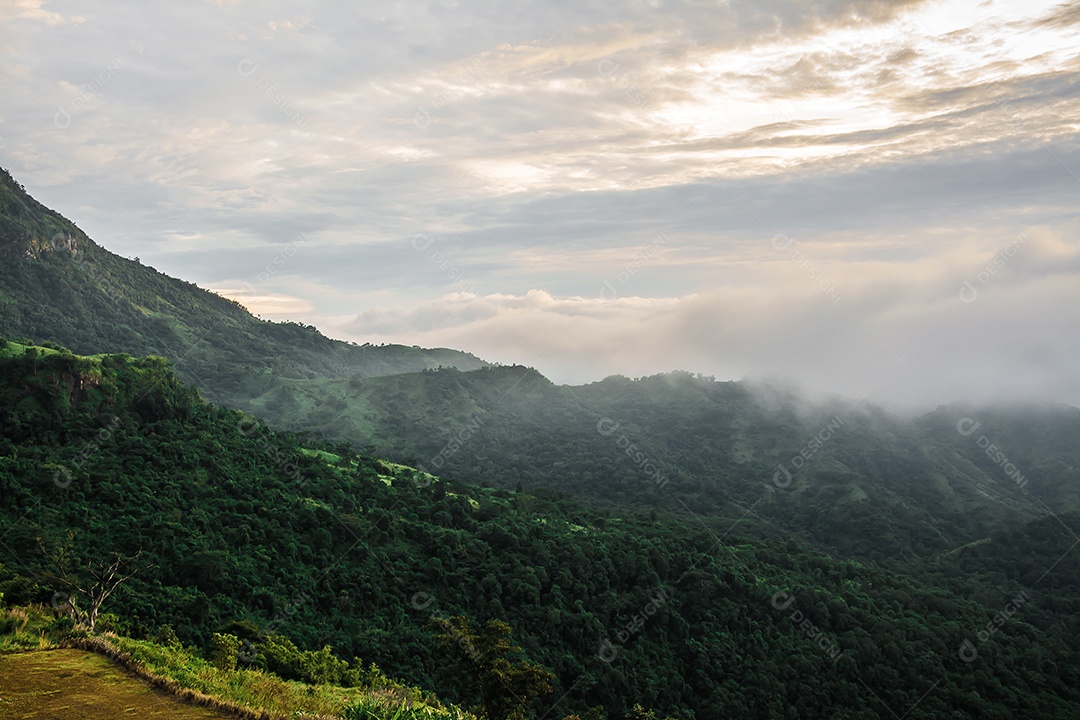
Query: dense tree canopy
pixel 303 542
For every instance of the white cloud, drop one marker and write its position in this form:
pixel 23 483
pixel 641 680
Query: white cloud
pixel 901 333
pixel 34 11
pixel 270 306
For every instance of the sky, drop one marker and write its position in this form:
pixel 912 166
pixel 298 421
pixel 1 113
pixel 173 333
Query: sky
pixel 875 199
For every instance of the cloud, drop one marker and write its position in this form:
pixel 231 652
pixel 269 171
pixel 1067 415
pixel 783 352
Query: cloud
pixel 902 333
pixel 268 306
pixel 1065 15
pixel 34 11
pixel 588 174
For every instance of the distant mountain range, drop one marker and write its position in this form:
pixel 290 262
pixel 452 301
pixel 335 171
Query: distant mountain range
pixel 851 477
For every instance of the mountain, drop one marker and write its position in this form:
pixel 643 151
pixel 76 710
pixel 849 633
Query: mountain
pixel 57 285
pixel 705 548
pixel 1035 449
pixel 850 477
pixel 266 534
pixel 847 477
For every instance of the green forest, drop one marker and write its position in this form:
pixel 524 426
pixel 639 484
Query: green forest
pixel 283 539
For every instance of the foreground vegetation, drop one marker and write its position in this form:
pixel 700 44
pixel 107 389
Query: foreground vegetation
pixel 214 682
pixel 78 685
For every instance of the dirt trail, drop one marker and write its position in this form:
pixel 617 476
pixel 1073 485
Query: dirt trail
pixel 78 685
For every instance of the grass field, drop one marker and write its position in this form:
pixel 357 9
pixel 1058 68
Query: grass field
pixel 79 685
pixel 98 677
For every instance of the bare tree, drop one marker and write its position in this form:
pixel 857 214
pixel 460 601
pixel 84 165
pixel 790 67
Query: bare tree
pixel 93 580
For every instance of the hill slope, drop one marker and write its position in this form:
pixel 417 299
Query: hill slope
pixel 77 685
pixel 851 477
pixel 57 285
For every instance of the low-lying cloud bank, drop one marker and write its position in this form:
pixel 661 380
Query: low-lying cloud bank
pixel 911 335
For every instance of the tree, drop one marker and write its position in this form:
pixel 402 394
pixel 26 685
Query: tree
pixel 32 354
pixel 95 581
pixel 505 683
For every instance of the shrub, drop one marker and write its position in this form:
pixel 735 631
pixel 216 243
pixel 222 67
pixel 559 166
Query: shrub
pixel 279 655
pixel 322 667
pixel 9 622
pixel 107 622
pixel 224 650
pixel 165 635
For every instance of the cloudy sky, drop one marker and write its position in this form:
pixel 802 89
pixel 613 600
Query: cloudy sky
pixel 877 199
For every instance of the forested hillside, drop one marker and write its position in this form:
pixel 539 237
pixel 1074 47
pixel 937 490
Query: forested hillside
pixel 57 285
pixel 850 477
pixel 253 532
pixel 845 477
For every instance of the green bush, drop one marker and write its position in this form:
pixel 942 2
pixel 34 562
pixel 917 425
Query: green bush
pixel 108 622
pixel 64 625
pixel 279 655
pixel 370 677
pixel 367 711
pixel 19 590
pixel 165 635
pixel 224 650
pixel 321 667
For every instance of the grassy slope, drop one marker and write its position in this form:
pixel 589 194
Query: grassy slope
pixel 46 671
pixel 79 685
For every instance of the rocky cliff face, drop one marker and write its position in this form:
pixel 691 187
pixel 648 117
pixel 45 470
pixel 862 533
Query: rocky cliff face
pixel 58 243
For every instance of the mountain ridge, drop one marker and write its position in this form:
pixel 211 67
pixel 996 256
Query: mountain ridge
pixel 848 475
pixel 716 444
pixel 58 285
